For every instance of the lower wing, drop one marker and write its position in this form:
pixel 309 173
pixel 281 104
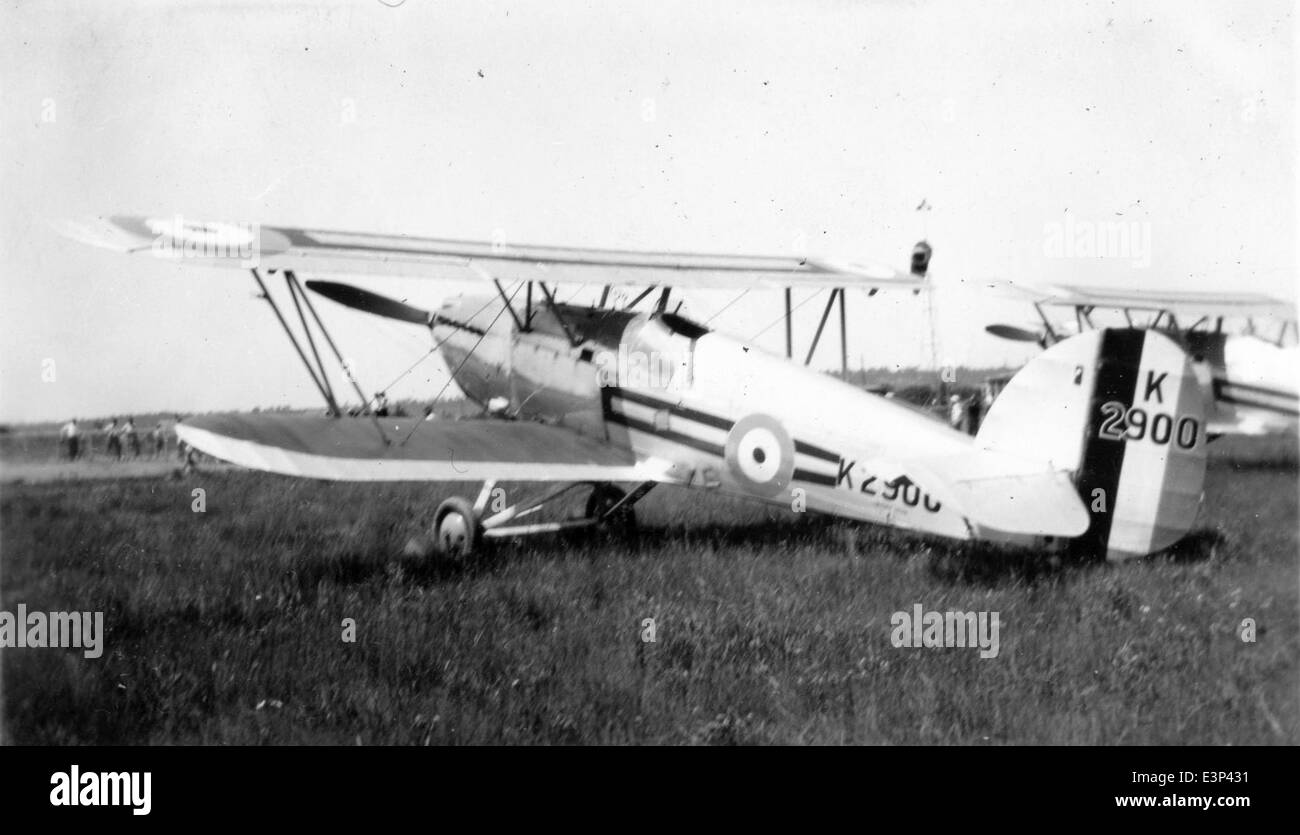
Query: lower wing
pixel 411 449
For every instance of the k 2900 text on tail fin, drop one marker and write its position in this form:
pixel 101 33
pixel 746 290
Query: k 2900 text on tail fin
pixel 1121 410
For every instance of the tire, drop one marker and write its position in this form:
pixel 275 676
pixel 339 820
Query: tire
pixel 602 498
pixel 456 531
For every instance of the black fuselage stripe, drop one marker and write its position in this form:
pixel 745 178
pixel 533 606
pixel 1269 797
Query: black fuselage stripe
pixel 705 446
pixel 1118 363
pixel 666 434
pixel 1220 383
pixel 1261 405
pixel 673 408
pixel 816 452
pixel 814 478
pixel 712 420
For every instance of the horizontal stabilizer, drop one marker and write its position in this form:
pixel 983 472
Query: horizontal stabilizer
pixel 1006 496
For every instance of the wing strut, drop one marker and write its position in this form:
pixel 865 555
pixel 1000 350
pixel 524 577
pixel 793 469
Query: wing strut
pixel 789 327
pixel 519 326
pixel 574 339
pixel 338 355
pixel 302 304
pixel 294 292
pixel 837 294
pixel 1047 323
pixel 322 387
pixel 647 291
pixel 844 339
pixel 830 303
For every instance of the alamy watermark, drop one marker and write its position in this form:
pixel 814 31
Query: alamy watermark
pixel 80 630
pixel 639 369
pixel 1125 240
pixel 75 787
pixel 920 628
pixel 209 240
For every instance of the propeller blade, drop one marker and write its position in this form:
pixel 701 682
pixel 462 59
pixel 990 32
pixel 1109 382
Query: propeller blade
pixel 1014 333
pixel 364 300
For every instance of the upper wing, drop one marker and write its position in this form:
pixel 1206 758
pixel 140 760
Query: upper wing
pixel 1179 302
pixel 320 252
pixel 353 449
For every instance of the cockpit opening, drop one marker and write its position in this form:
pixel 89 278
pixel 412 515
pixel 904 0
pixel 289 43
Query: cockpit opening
pixel 683 326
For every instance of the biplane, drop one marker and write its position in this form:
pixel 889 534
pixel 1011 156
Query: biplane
pixel 1097 445
pixel 1249 377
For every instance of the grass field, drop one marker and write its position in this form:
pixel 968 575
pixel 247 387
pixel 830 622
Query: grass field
pixel 226 626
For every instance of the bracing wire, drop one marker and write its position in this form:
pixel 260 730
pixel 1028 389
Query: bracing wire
pixel 465 359
pixel 782 317
pixel 723 309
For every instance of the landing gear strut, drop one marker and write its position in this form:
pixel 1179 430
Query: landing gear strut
pixel 462 529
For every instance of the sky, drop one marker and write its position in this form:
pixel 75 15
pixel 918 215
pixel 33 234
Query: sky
pixel 756 128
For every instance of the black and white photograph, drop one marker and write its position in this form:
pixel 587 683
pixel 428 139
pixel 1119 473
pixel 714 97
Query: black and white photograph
pixel 401 373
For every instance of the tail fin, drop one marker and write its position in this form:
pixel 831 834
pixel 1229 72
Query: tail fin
pixel 1122 411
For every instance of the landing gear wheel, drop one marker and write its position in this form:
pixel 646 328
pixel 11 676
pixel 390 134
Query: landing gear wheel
pixel 602 499
pixel 456 530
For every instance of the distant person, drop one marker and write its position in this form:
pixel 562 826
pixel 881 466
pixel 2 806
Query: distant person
pixel 159 438
pixel 381 404
pixel 70 440
pixel 974 414
pixel 131 437
pixel 180 445
pixel 957 413
pixel 113 439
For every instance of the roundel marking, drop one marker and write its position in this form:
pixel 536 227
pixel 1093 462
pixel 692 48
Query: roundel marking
pixel 760 454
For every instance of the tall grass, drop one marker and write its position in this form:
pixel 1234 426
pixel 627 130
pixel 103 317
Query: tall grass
pixel 225 626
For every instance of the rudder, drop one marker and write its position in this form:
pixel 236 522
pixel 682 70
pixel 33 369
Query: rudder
pixel 1121 409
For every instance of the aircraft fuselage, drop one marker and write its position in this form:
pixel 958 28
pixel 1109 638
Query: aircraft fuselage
pixel 672 390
